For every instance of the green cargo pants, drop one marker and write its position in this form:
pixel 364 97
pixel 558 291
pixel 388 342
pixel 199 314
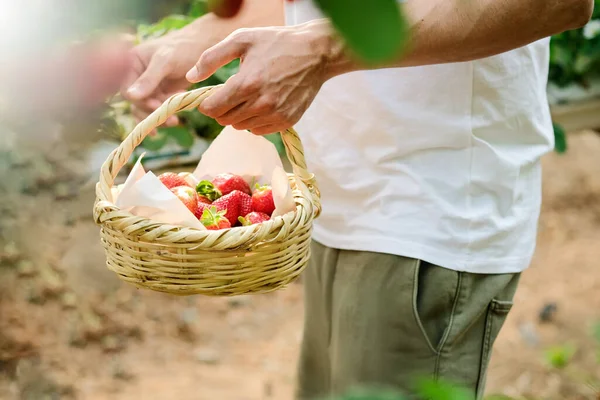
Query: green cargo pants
pixel 375 319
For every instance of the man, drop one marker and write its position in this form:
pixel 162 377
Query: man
pixel 429 169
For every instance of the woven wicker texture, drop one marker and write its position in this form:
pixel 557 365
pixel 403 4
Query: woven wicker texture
pixel 184 261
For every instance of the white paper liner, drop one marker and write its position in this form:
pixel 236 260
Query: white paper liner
pixel 233 151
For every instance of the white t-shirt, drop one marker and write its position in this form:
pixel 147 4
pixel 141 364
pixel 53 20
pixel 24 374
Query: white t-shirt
pixel 439 163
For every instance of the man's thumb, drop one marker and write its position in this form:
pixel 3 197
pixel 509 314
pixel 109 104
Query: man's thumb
pixel 220 54
pixel 149 80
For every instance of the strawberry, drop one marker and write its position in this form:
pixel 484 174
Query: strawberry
pixel 254 218
pixel 222 185
pixel 172 180
pixel 262 200
pixel 214 220
pixel 202 205
pixel 203 199
pixel 245 204
pixel 233 204
pixel 188 197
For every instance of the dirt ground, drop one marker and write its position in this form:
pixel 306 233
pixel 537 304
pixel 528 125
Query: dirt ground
pixel 70 330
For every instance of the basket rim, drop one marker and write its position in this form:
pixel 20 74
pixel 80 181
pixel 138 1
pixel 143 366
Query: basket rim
pixel 302 198
pixel 304 190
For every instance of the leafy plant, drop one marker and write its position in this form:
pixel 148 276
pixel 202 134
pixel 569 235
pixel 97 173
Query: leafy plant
pixel 560 138
pixel 575 60
pixel 575 54
pixel 373 42
pixel 442 390
pixel 560 356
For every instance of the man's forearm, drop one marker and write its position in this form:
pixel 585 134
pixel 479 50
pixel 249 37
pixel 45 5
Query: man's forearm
pixel 446 31
pixel 254 13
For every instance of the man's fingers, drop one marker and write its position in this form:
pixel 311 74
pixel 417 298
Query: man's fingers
pixel 240 113
pixel 136 69
pixel 172 121
pixel 224 99
pixel 254 123
pixel 233 47
pixel 150 79
pixel 266 129
pixel 138 113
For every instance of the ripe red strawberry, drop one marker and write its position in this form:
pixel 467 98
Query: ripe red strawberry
pixel 233 204
pixel 203 199
pixel 172 180
pixel 262 200
pixel 214 220
pixel 222 185
pixel 227 183
pixel 188 197
pixel 203 204
pixel 254 218
pixel 245 204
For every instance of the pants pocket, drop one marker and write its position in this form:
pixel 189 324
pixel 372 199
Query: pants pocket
pixel 435 294
pixel 494 320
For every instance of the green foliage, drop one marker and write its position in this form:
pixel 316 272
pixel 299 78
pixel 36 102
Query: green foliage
pixel 441 390
pixel 575 54
pixel 425 388
pixel 162 27
pixel 192 123
pixel 560 138
pixel 560 356
pixel 596 332
pixel 596 336
pixel 374 42
pixel 155 142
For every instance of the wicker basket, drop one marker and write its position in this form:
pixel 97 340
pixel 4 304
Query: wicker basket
pixel 183 261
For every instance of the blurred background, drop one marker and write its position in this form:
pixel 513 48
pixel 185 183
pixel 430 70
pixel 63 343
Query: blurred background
pixel 69 329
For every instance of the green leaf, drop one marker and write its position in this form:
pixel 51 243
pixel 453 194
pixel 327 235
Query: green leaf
pixel 181 134
pixel 560 138
pixel 582 63
pixel 381 39
pixel 198 8
pixel 275 138
pixel 560 55
pixel 203 125
pixel 155 142
pixel 165 25
pixel 442 390
pixel 560 356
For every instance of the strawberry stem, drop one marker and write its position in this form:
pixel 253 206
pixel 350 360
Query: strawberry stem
pixel 208 190
pixel 243 221
pixel 211 217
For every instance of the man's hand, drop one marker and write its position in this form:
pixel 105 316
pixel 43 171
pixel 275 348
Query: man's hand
pixel 158 71
pixel 160 65
pixel 282 70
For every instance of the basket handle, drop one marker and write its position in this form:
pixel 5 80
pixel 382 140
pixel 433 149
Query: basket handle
pixel 188 101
